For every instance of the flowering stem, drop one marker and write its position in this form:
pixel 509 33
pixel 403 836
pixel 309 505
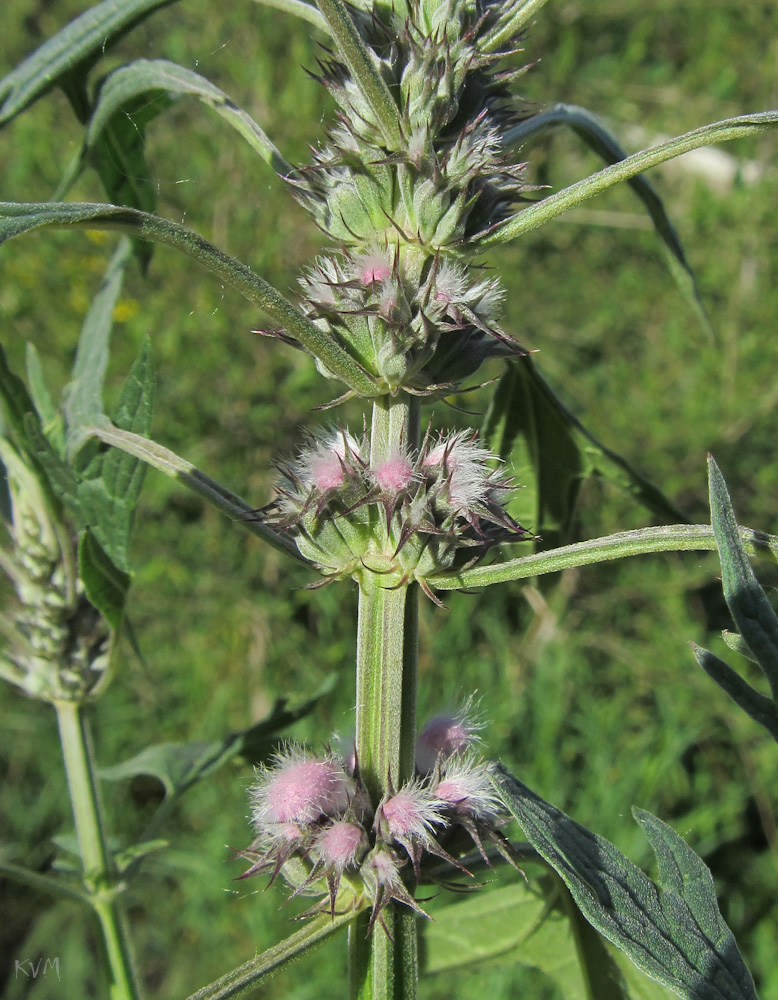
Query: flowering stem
pixel 99 870
pixel 384 967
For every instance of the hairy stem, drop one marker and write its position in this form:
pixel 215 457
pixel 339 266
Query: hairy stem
pixel 384 967
pixel 100 875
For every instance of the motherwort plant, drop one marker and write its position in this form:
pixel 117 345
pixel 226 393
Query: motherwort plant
pixel 417 178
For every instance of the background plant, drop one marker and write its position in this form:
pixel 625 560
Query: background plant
pixel 570 778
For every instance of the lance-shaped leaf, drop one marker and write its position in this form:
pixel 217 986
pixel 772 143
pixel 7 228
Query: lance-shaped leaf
pixel 362 64
pixel 82 400
pixel 754 616
pixel 604 144
pixel 549 208
pixel 188 475
pixel 751 610
pixel 51 419
pixel 17 218
pixel 105 584
pixel 118 155
pixel 551 454
pixel 240 982
pixel 672 931
pixel 22 421
pixel 178 766
pixel 72 51
pixel 110 479
pixel 622 545
pixel 153 82
pixel 512 20
pixel 300 9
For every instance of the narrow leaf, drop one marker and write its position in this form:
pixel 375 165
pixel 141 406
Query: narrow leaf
pixel 76 48
pixel 737 644
pixel 754 616
pixel 51 419
pixel 18 218
pixel 549 208
pixel 673 931
pixel 190 476
pixel 300 9
pixel 240 982
pixel 761 709
pixel 17 403
pixel 118 155
pixel 106 586
pixel 511 23
pixel 82 402
pixel 144 81
pixel 110 480
pixel 178 766
pixel 641 541
pixel 604 144
pixel 552 453
pixel 363 66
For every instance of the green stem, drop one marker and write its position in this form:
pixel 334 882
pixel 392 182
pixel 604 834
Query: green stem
pixel 384 966
pixel 100 875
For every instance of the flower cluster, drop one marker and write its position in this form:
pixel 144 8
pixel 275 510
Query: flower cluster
pixel 409 514
pixel 315 810
pixel 424 335
pixel 409 213
pixel 57 644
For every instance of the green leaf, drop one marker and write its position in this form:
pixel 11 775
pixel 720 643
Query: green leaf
pixel 110 480
pixel 761 709
pixel 118 155
pixel 144 82
pixel 737 644
pixel 304 10
pixel 624 544
pixel 551 454
pixel 510 24
pixel 18 218
pixel 239 982
pixel 59 478
pixel 600 141
pixel 135 852
pixel 74 50
pixel 524 924
pixel 17 405
pixel 190 476
pixel 178 766
pixel 51 418
pixel 549 208
pixel 82 401
pixel 754 616
pixel 363 65
pixel 105 584
pixel 672 931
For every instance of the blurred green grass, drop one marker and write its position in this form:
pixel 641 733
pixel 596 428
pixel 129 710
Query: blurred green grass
pixel 591 691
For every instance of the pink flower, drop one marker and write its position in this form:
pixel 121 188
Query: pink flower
pixel 466 788
pixel 373 267
pixel 338 846
pixel 299 789
pixel 446 735
pixel 394 474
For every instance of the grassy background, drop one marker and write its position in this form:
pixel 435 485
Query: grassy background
pixel 591 691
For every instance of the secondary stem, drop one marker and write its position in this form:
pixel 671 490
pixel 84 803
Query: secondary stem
pixel 100 875
pixel 384 967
